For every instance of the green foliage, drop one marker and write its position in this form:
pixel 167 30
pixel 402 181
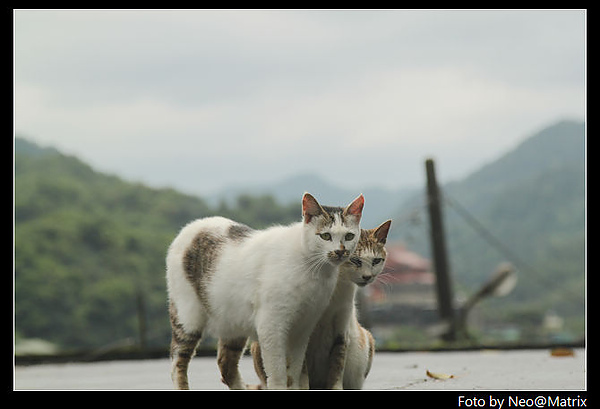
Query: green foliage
pixel 533 201
pixel 87 245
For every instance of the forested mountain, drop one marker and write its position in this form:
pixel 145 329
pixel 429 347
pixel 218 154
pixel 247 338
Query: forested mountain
pixel 90 249
pixel 527 207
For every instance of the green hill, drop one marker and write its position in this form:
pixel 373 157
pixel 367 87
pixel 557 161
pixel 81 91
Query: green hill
pixel 90 248
pixel 532 203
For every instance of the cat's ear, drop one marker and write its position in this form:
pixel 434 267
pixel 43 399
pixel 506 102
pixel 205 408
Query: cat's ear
pixel 310 207
pixel 381 232
pixel 355 208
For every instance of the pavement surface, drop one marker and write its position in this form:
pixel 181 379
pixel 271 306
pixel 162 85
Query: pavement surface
pixel 473 370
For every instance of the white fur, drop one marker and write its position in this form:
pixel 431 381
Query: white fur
pixel 272 286
pixel 358 358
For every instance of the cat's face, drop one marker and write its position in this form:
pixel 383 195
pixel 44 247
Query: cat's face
pixel 368 259
pixel 331 233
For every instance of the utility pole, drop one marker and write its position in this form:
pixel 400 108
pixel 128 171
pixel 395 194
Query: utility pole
pixel 440 255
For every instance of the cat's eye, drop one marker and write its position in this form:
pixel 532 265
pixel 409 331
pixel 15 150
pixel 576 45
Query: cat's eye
pixel 325 236
pixel 356 261
pixel 349 236
pixel 377 261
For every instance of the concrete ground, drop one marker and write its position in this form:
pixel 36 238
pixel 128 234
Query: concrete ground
pixel 474 370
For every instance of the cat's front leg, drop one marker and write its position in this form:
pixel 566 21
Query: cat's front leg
pixel 337 362
pixel 275 368
pixel 272 342
pixel 260 370
pixel 297 370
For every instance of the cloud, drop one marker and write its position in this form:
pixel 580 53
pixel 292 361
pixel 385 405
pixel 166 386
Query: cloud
pixel 169 96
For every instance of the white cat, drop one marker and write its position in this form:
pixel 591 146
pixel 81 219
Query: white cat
pixel 340 351
pixel 270 285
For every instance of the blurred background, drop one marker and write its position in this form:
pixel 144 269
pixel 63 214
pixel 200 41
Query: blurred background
pixel 129 124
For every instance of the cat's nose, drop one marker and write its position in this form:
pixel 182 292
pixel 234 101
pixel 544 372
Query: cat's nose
pixel 367 277
pixel 340 253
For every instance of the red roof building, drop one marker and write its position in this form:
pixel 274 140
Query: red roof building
pixel 406 275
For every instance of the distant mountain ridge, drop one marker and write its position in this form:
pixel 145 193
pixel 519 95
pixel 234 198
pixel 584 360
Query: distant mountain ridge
pixel 532 201
pixel 550 148
pixel 552 157
pixel 88 244
pixel 381 203
pixel 26 147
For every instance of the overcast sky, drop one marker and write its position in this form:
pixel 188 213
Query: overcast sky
pixel 199 99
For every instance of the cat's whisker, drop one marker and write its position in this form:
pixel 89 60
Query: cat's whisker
pixel 314 262
pixel 384 276
pixel 316 266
